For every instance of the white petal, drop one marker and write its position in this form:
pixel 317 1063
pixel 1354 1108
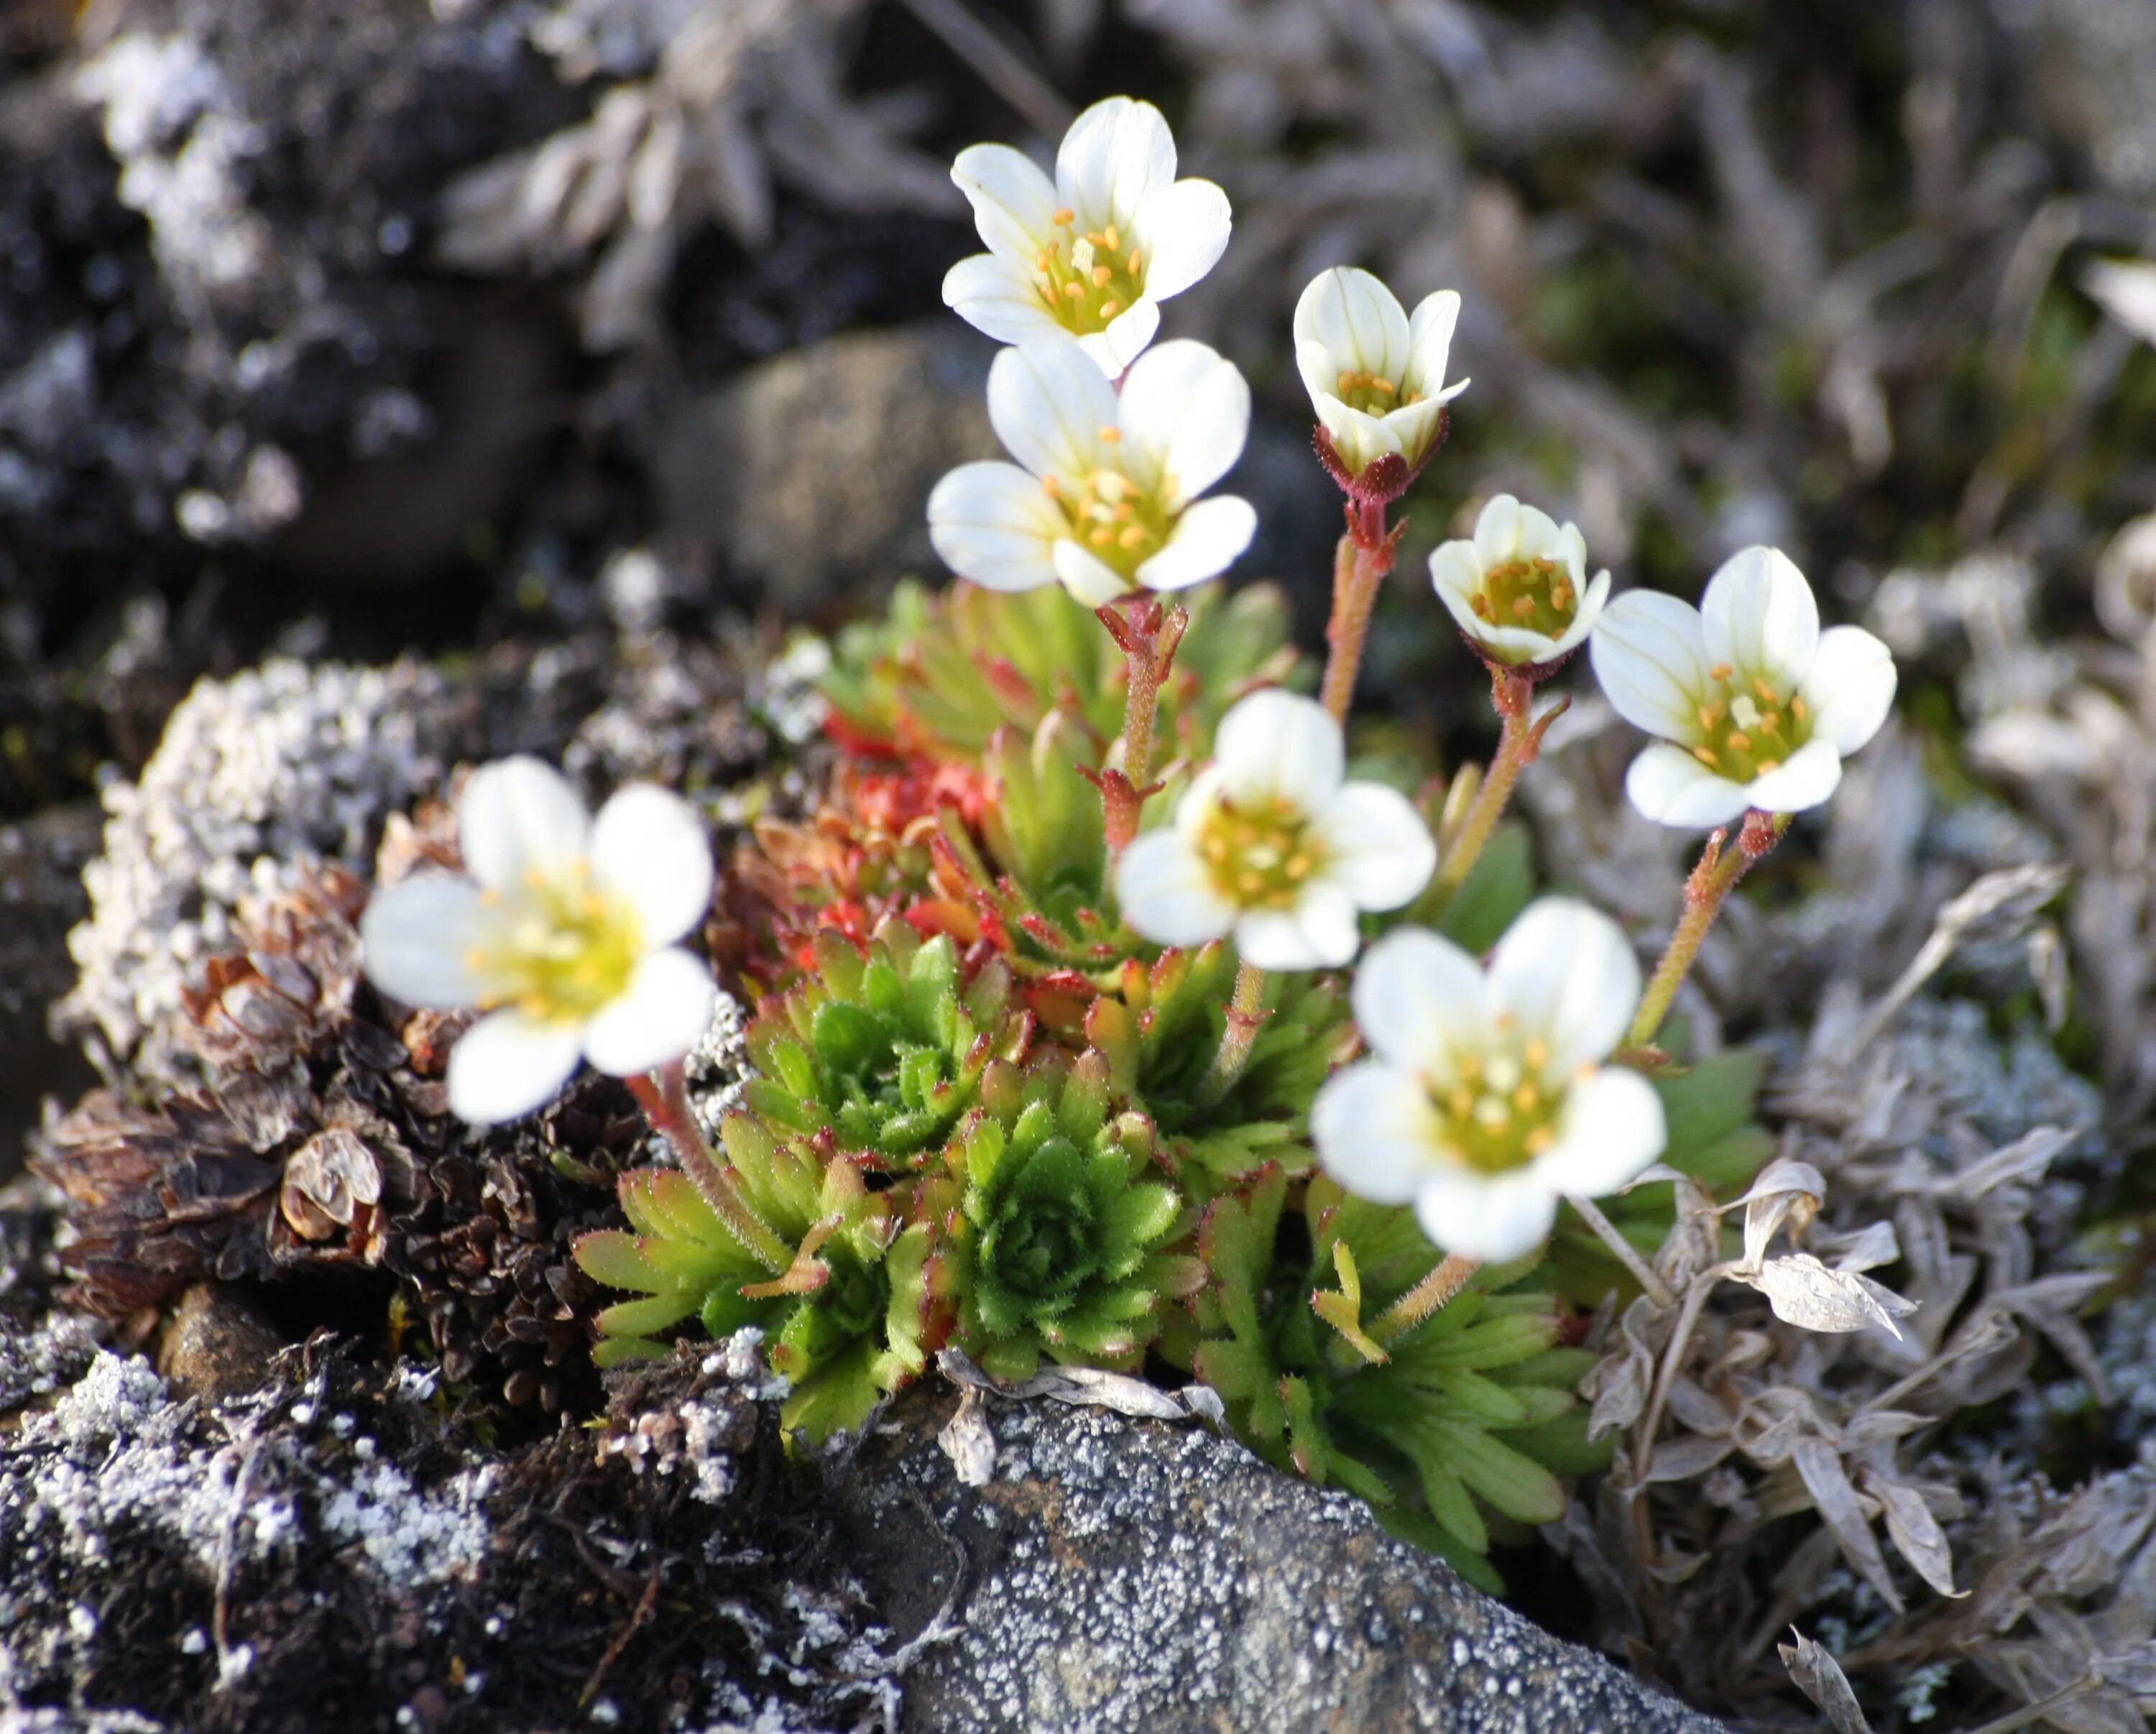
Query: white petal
pixel 1048 401
pixel 993 523
pixel 519 817
pixel 1358 319
pixel 1456 568
pixel 1649 657
pixel 1375 1131
pixel 660 1015
pixel 1806 778
pixel 1013 202
pixel 1759 616
pixel 508 1064
pixel 1184 411
pixel 1208 539
pixel 1610 1128
pixel 1085 574
pixel 1592 602
pixel 1420 1001
pixel 1114 349
pixel 1320 374
pixel 1565 972
pixel 1671 788
pixel 998 298
pixel 1851 688
pixel 1572 549
pixel 1540 538
pixel 1410 430
pixel 1497 531
pixel 1360 438
pixel 1166 895
pixel 1319 932
pixel 1182 231
pixel 1381 849
pixel 1429 346
pixel 1492 1218
pixel 650 850
pixel 1276 743
pixel 1116 154
pixel 417 938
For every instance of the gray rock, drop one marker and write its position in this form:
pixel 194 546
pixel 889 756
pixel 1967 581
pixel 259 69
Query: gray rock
pixel 276 763
pixel 1133 1575
pixel 811 471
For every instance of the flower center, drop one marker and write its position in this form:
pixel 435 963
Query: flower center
pixel 1750 729
pixel 1372 393
pixel 1498 1112
pixel 562 950
pixel 1085 280
pixel 1536 596
pixel 1113 517
pixel 1259 854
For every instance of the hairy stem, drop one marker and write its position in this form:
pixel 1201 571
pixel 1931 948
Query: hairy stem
pixel 664 1096
pixel 1706 891
pixel 1148 634
pixel 1245 1017
pixel 1517 743
pixel 1432 1294
pixel 1359 566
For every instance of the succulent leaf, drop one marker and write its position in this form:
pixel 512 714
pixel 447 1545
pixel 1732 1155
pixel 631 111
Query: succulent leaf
pixel 1059 1222
pixel 884 1047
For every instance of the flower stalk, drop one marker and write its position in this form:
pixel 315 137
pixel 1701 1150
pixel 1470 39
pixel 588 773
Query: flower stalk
pixel 1706 891
pixel 664 1096
pixel 1359 566
pixel 1519 744
pixel 1148 633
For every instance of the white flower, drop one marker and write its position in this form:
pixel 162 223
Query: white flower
pixel 566 941
pixel 1519 590
pixel 1108 499
pixel 1271 844
pixel 1093 253
pixel 1376 376
pixel 1486 1102
pixel 1755 705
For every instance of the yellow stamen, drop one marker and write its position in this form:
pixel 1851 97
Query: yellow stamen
pixel 1100 538
pixel 1132 538
pixel 1075 291
pixel 1109 309
pixel 1536 1054
pixel 1720 671
pixel 1739 741
pixel 1704 756
pixel 1136 261
pixel 1798 709
pixel 1063 218
pixel 1102 274
pixel 1537 1140
pixel 1766 692
pixel 1114 240
pixel 1110 435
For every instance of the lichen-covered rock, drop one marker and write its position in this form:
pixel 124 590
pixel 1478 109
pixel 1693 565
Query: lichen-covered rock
pixel 1121 1577
pixel 254 774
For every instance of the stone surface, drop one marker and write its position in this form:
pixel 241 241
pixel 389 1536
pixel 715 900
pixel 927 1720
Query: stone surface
pixel 811 472
pixel 333 1549
pixel 1123 1575
pixel 216 1344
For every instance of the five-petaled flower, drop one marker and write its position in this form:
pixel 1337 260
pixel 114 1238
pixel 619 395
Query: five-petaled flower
pixel 1484 1101
pixel 1095 252
pixel 1271 844
pixel 1375 375
pixel 566 940
pixel 1107 500
pixel 1519 590
pixel 1756 707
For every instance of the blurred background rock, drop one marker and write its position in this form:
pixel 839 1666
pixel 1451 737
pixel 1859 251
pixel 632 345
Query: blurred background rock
pixel 346 329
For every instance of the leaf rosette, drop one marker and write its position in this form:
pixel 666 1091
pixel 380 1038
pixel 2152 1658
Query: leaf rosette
pixel 1059 1223
pixel 884 1046
pixel 847 1319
